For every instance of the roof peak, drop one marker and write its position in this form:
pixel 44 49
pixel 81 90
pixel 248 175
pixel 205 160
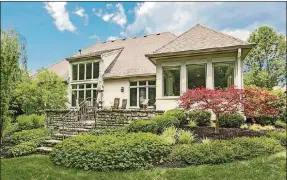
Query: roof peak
pixel 135 37
pixel 200 37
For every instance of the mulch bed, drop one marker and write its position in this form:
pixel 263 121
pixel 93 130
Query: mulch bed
pixel 224 133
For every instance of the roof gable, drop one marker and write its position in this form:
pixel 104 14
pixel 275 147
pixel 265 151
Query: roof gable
pixel 200 37
pixel 131 61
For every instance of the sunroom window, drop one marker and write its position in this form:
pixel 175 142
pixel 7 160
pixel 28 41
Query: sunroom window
pixel 171 81
pixel 196 75
pixel 223 74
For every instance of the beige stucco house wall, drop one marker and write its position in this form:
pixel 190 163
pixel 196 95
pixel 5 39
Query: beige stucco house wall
pixel 129 61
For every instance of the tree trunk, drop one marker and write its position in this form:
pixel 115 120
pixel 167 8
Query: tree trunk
pixel 217 124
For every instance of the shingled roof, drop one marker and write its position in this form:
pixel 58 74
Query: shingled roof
pixel 198 38
pixel 132 60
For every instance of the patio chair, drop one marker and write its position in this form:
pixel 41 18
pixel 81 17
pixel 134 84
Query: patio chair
pixel 116 103
pixel 124 104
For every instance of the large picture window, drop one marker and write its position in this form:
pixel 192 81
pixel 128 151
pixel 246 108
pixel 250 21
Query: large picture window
pixel 196 76
pixel 83 91
pixel 140 91
pixel 171 81
pixel 223 74
pixel 85 71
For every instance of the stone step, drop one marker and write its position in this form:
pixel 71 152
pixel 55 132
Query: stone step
pixel 51 142
pixel 44 150
pixel 74 129
pixel 60 136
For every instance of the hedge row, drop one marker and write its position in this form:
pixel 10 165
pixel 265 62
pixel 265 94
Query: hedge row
pixel 159 123
pixel 217 151
pixel 108 152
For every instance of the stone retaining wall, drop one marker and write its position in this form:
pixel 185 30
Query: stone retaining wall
pixel 120 117
pixel 105 117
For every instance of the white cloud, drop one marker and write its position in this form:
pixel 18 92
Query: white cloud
pixel 98 13
pixel 109 6
pixel 117 17
pixel 81 12
pixel 110 38
pixel 242 34
pixel 61 17
pixel 95 36
pixel 234 18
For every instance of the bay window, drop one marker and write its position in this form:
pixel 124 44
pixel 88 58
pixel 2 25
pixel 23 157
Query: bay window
pixel 140 91
pixel 171 81
pixel 196 76
pixel 223 74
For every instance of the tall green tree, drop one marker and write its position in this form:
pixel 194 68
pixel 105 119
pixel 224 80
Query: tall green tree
pixel 266 62
pixel 45 91
pixel 13 64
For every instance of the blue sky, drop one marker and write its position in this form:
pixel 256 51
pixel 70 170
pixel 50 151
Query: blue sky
pixel 56 30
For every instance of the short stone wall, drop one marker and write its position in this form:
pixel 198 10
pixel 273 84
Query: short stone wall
pixel 104 117
pixel 121 117
pixel 54 116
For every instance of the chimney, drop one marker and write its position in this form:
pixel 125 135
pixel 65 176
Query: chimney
pixel 80 51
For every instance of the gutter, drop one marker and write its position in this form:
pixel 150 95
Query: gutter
pixel 196 52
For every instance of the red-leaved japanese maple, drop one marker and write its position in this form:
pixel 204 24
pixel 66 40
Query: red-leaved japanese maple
pixel 217 100
pixel 259 102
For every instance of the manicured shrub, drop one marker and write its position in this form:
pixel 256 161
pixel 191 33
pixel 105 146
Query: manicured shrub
pixel 33 121
pixel 231 120
pixel 35 135
pixel 201 117
pixel 244 126
pixel 165 121
pixel 108 152
pixel 143 126
pixel 169 134
pixel 192 124
pixel 265 120
pixel 24 148
pixel 212 124
pixel 280 124
pixel 205 140
pixel 185 137
pixel 179 114
pixel 117 131
pixel 217 151
pixel 258 127
pixel 281 136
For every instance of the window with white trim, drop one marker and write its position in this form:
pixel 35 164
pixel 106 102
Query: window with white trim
pixel 85 71
pixel 142 90
pixel 196 76
pixel 83 91
pixel 171 77
pixel 223 74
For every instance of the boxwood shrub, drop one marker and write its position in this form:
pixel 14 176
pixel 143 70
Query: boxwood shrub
pixel 32 121
pixel 117 131
pixel 143 126
pixel 24 148
pixel 224 151
pixel 200 117
pixel 179 114
pixel 108 152
pixel 35 135
pixel 164 121
pixel 231 120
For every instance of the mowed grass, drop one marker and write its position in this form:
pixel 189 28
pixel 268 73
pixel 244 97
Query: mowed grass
pixel 39 167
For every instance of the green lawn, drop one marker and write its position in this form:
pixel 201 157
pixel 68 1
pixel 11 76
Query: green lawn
pixel 41 168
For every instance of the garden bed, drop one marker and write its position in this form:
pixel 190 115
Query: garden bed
pixel 224 133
